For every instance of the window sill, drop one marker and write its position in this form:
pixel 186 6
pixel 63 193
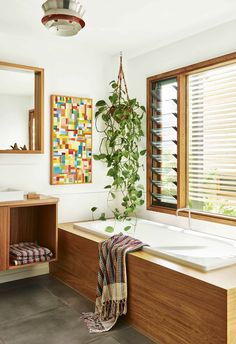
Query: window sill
pixel 202 217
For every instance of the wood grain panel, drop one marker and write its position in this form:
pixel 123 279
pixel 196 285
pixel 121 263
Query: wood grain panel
pixel 4 237
pixel 23 224
pixel 231 314
pixel 77 263
pixel 174 308
pixel 47 232
pixel 168 306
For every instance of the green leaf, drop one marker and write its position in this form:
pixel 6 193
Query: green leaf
pixel 105 117
pixel 129 210
pixel 139 193
pixel 143 152
pixel 99 156
pixel 93 209
pixel 118 181
pixel 132 102
pixel 113 195
pixel 109 229
pixel 96 157
pixel 107 187
pixel 126 154
pixel 143 108
pixel 140 202
pixel 101 103
pixel 125 173
pixel 113 99
pixel 127 228
pixel 102 217
pixel 111 172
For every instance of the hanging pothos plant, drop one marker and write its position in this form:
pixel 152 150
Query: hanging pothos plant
pixel 121 120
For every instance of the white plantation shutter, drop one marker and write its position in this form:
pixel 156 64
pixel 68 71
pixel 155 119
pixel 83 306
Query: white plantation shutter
pixel 212 140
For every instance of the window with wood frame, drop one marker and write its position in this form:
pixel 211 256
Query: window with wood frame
pixel 191 139
pixel 163 169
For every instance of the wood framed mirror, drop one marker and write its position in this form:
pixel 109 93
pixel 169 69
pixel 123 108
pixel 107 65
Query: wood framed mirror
pixel 21 109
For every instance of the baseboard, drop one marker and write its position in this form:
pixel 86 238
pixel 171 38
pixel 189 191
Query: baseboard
pixel 24 272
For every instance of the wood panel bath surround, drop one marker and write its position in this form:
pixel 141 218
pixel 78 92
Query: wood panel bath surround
pixel 169 303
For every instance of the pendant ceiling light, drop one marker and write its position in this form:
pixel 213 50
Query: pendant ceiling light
pixel 63 17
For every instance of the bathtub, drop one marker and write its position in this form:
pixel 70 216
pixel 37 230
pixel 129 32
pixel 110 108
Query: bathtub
pixel 188 247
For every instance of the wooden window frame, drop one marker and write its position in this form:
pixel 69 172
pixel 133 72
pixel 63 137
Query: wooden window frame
pixel 182 132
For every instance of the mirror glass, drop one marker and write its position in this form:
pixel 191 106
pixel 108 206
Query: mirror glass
pixel 17 109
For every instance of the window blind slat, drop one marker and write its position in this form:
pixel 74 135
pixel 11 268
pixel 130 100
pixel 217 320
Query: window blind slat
pixel 212 140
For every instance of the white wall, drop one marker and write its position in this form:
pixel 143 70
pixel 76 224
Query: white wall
pixel 70 69
pixel 212 43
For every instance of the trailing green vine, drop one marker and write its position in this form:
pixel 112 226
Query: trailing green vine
pixel 121 122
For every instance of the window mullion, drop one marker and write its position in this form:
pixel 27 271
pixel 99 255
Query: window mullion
pixel 182 189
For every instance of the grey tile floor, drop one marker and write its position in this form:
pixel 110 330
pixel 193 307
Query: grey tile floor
pixel 42 310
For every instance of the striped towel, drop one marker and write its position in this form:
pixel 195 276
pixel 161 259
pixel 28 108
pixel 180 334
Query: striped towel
pixel 111 300
pixel 28 252
pixel 28 249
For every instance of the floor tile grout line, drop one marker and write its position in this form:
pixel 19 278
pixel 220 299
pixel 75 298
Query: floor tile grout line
pixel 25 318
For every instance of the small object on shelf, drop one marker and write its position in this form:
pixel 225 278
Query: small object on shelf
pixel 15 147
pixel 33 195
pixel 23 148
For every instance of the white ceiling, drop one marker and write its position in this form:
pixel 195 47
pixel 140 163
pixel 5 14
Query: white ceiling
pixel 134 26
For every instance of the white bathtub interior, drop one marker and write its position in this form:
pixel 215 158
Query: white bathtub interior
pixel 191 248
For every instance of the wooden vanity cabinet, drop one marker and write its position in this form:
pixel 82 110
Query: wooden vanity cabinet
pixel 28 220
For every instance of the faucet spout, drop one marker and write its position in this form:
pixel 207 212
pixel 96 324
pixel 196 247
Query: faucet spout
pixel 189 215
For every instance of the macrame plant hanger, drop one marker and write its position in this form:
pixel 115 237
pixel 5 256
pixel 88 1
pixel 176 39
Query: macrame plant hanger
pixel 121 80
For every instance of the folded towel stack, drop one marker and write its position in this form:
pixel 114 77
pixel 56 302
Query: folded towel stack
pixel 29 252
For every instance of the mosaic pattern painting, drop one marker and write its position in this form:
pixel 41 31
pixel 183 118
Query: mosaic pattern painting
pixel 71 140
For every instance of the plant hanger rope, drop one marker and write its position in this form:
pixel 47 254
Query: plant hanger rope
pixel 121 78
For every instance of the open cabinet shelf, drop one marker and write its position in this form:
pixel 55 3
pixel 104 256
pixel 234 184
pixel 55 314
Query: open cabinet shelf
pixel 15 267
pixel 27 221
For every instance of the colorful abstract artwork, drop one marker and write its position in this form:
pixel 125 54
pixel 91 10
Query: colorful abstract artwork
pixel 71 160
